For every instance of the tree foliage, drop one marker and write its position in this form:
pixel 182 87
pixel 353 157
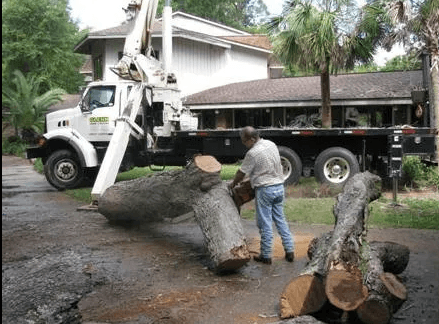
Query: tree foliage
pixel 235 13
pixel 38 37
pixel 320 36
pixel 27 105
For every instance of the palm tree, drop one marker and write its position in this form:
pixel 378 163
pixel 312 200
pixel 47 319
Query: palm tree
pixel 415 24
pixel 27 106
pixel 321 36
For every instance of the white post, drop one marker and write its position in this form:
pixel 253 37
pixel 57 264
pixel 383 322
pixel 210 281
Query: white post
pixel 167 36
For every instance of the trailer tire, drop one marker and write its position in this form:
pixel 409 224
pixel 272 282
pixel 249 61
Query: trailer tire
pixel 291 165
pixel 335 166
pixel 63 170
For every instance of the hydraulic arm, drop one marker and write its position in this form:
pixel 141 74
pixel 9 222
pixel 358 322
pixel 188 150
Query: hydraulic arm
pixel 136 64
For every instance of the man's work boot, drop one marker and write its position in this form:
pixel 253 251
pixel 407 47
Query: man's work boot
pixel 260 258
pixel 289 256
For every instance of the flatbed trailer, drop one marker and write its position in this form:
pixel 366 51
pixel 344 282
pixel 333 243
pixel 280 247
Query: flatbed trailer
pixel 332 155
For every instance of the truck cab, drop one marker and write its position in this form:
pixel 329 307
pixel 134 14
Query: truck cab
pixel 76 138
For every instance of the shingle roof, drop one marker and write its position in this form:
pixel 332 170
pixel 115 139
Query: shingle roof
pixel 378 85
pixel 261 41
pixel 257 41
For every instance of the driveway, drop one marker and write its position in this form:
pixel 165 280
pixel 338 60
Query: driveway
pixel 61 265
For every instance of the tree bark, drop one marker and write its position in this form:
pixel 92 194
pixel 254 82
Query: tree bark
pixel 333 271
pixel 218 217
pixel 197 188
pixel 325 88
pixel 382 261
pixel 386 292
pixel 344 286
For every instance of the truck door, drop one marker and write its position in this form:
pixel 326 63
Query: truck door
pixel 100 108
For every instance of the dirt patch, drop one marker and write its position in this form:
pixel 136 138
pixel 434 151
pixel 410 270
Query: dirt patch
pixel 301 242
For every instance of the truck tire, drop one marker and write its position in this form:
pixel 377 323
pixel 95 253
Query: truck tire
pixel 63 170
pixel 335 166
pixel 291 165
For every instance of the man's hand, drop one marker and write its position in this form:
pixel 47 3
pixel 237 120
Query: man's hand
pixel 239 176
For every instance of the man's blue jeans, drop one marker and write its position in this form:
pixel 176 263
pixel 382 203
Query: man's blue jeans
pixel 269 208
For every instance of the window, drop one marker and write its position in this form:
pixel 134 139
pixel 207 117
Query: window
pixel 97 68
pixel 101 96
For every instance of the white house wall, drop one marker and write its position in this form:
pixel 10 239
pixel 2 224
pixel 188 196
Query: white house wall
pixel 200 66
pixel 197 66
pixel 247 65
pixel 112 49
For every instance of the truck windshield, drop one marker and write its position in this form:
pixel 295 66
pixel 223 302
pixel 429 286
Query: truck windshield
pixel 100 96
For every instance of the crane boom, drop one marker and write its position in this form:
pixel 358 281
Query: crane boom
pixel 149 73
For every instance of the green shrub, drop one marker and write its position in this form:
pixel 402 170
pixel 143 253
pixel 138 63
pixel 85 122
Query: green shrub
pixel 14 146
pixel 420 174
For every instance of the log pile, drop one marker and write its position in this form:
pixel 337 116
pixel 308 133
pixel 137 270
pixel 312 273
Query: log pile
pixel 197 188
pixel 345 272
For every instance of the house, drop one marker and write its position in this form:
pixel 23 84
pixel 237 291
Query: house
pixel 205 54
pixel 379 99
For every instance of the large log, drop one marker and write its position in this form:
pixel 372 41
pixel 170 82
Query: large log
pixel 198 188
pixel 386 292
pixel 333 271
pixel 305 294
pixel 381 262
pixel 344 282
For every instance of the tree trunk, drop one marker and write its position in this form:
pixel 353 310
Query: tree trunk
pixel 198 187
pixel 386 292
pixel 383 260
pixel 333 271
pixel 218 217
pixel 434 97
pixel 325 88
pixel 344 286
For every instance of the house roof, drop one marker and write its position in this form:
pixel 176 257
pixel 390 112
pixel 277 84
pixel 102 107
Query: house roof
pixel 347 89
pixel 260 41
pixel 257 42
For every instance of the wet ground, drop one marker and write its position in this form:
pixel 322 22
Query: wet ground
pixel 61 265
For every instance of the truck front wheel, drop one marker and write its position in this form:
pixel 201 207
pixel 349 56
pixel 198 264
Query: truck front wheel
pixel 335 166
pixel 291 165
pixel 63 170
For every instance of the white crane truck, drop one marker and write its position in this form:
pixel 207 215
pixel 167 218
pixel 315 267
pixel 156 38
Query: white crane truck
pixel 141 122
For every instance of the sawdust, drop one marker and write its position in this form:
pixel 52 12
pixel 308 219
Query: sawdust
pixel 301 242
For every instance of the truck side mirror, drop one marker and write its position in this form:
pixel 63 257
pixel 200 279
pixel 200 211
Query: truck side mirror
pixel 85 108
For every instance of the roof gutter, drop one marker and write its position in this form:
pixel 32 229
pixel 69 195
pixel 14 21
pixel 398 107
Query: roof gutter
pixel 298 104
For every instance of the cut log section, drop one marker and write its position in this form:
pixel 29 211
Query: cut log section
pixel 386 292
pixel 381 261
pixel 344 285
pixel 218 217
pixel 305 294
pixel 339 270
pixel 198 188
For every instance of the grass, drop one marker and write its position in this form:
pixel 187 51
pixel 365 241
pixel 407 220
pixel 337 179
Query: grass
pixel 408 213
pixel 312 203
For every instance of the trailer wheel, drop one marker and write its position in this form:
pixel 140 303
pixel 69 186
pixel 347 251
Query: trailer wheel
pixel 63 170
pixel 291 165
pixel 335 166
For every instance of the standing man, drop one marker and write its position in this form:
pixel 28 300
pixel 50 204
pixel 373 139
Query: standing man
pixel 262 164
